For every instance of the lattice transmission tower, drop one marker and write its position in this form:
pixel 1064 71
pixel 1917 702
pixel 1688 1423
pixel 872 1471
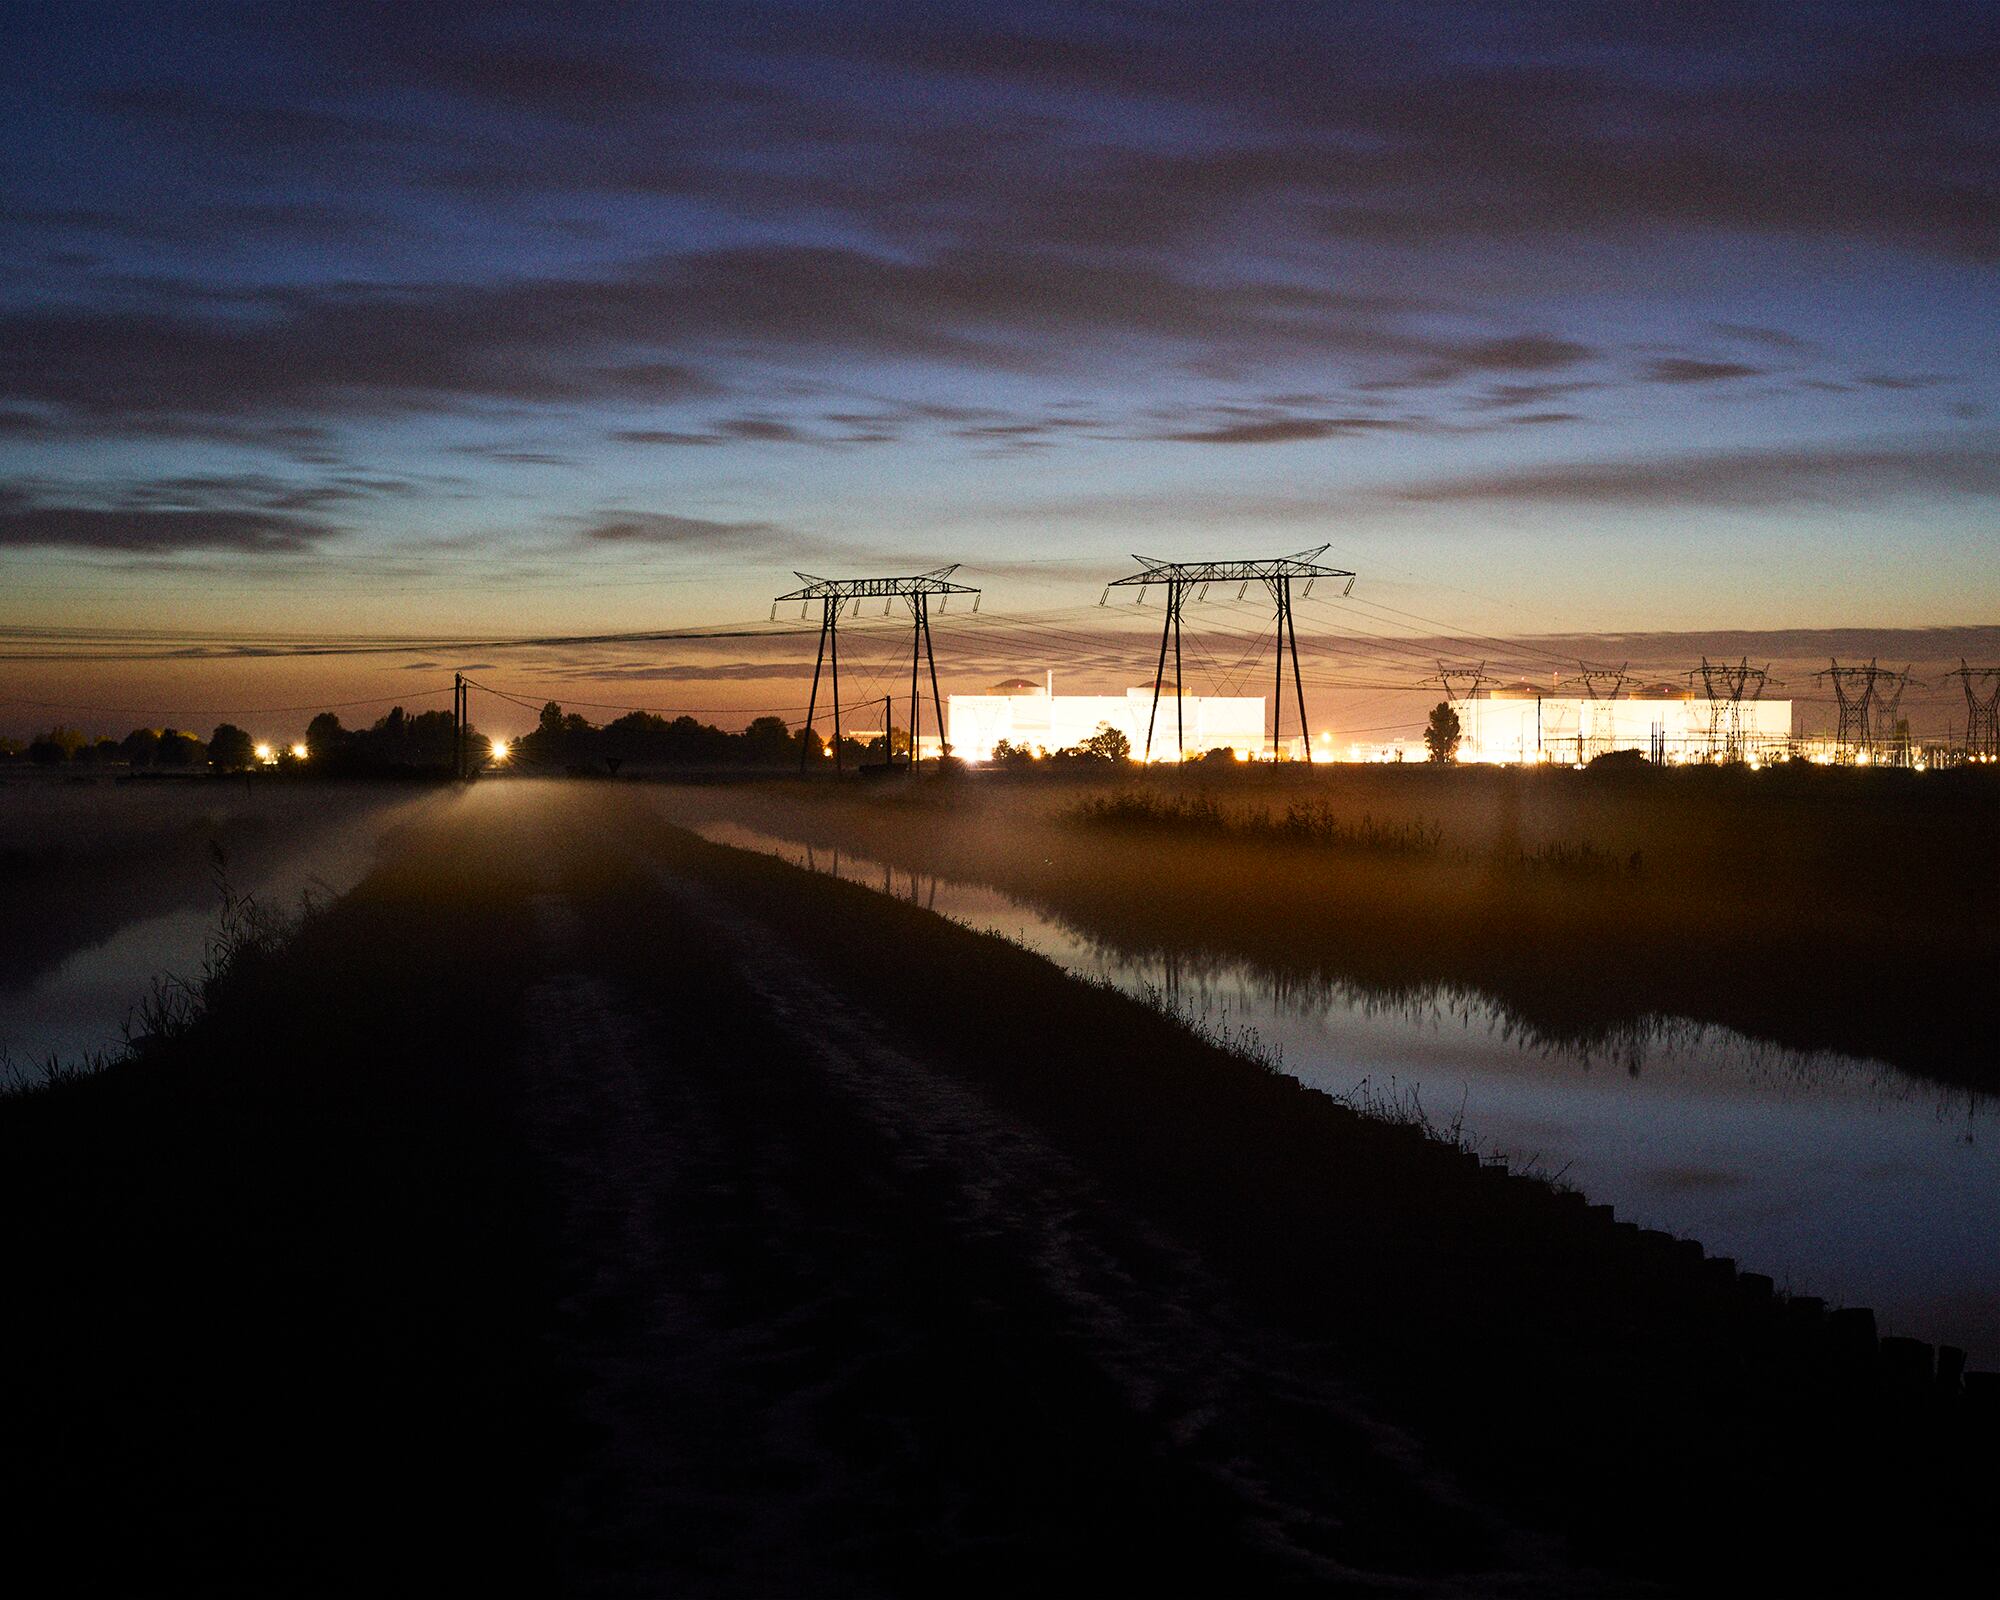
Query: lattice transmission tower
pixel 834 596
pixel 1868 696
pixel 1459 683
pixel 461 727
pixel 1726 688
pixel 1892 735
pixel 1854 694
pixel 1982 709
pixel 1276 574
pixel 1599 684
pixel 1602 683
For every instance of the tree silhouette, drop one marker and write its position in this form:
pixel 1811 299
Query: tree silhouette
pixel 325 736
pixel 58 745
pixel 231 749
pixel 1441 732
pixel 178 749
pixel 1107 744
pixel 767 742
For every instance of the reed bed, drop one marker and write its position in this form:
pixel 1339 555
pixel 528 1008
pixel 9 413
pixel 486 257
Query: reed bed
pixel 1585 905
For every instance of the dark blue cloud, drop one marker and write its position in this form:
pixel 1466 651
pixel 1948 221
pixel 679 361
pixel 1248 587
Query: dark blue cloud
pixel 537 237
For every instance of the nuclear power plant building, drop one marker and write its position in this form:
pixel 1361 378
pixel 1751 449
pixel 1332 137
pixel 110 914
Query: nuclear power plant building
pixel 1031 716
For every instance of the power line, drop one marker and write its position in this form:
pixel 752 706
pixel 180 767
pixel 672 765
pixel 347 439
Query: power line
pixel 227 711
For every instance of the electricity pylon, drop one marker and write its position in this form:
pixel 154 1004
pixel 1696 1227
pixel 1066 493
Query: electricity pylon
pixel 834 594
pixel 1275 574
pixel 1602 683
pixel 1727 687
pixel 1854 693
pixel 1982 709
pixel 1599 684
pixel 1450 677
pixel 1890 733
pixel 1462 684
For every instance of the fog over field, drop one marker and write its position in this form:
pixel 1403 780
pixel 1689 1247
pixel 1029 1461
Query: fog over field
pixel 108 886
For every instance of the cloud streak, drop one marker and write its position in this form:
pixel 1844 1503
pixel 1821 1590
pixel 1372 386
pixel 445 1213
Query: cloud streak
pixel 1281 430
pixel 646 331
pixel 1736 478
pixel 665 530
pixel 156 531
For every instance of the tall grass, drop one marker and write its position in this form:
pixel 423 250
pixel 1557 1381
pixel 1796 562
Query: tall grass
pixel 247 936
pixel 1213 1027
pixel 1583 906
pixel 80 864
pixel 1313 824
pixel 19 1080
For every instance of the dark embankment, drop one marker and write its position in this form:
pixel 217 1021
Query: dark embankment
pixel 1816 909
pixel 580 1207
pixel 272 1289
pixel 1663 1413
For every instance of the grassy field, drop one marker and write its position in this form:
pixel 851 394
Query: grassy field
pixel 1817 909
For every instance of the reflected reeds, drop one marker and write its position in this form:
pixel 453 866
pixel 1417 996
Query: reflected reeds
pixel 1713 904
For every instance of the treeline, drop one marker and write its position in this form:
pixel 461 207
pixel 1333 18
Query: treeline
pixel 142 747
pixel 402 742
pixel 398 742
pixel 570 742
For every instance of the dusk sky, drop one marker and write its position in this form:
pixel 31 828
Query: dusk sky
pixel 468 321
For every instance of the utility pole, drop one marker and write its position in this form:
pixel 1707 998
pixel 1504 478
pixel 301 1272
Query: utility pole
pixel 1276 574
pixel 460 706
pixel 1982 709
pixel 833 594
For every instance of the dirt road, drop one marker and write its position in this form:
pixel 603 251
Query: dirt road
pixel 838 1324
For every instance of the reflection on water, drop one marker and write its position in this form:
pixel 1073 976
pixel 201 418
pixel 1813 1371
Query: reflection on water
pixel 73 1000
pixel 1839 1177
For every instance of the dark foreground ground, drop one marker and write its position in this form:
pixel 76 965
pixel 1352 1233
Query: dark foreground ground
pixel 579 1208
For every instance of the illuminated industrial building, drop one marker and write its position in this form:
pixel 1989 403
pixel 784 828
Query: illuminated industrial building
pixel 1519 723
pixel 1034 717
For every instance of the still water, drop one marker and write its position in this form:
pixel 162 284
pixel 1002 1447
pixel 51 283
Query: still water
pixel 1839 1177
pixel 73 1001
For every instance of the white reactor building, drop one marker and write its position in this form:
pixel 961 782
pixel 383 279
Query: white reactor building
pixel 1032 716
pixel 1519 723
